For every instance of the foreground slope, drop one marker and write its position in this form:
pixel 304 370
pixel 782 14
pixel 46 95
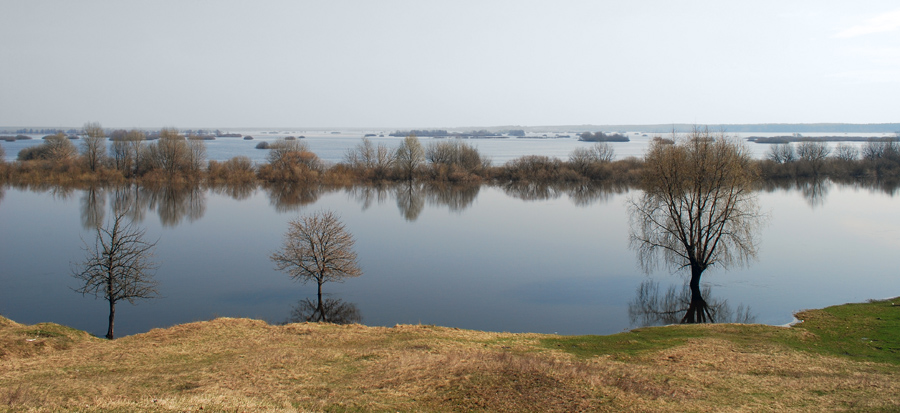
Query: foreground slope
pixel 843 357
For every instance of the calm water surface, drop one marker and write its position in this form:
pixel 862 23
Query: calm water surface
pixel 480 258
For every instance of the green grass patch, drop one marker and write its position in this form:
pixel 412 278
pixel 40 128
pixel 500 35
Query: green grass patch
pixel 863 331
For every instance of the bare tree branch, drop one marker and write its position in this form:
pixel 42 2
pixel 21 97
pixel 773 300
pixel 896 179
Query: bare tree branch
pixel 118 266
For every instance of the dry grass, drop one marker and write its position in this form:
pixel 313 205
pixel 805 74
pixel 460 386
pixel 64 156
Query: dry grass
pixel 248 365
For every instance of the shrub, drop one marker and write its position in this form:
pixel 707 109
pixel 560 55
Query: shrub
pixel 236 169
pixel 55 148
pixel 369 160
pixel 587 160
pixel 536 168
pixel 456 153
pixel 291 161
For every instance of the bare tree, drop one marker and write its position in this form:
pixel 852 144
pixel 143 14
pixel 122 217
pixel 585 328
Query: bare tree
pixel 781 153
pixel 318 248
pixel 118 267
pixel 170 153
pixel 93 148
pixel 371 158
pixel 196 154
pixel 583 159
pixel 846 152
pixel 813 153
pixel 127 150
pixel 698 209
pixel 410 156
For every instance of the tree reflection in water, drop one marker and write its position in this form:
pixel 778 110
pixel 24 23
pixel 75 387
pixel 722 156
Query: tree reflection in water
pixel 335 311
pixel 410 199
pixel 236 191
pixel 287 197
pixel 412 196
pixel 651 307
pixel 581 193
pixel 174 203
pixel 814 190
pixel 531 191
pixel 93 207
pixel 368 195
pixel 131 200
pixel 456 196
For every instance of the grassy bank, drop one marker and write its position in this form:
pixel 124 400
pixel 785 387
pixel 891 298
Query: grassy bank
pixel 842 357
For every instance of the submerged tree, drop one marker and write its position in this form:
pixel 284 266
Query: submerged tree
pixel 698 209
pixel 118 267
pixel 318 248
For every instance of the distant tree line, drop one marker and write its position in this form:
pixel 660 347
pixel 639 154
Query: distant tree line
pixel 178 157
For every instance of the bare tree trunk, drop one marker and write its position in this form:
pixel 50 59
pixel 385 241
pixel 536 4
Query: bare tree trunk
pixel 321 305
pixel 698 310
pixel 112 319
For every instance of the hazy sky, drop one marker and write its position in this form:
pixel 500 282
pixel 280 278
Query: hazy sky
pixel 446 63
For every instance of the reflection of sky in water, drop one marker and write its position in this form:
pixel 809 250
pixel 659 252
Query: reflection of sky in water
pixel 491 261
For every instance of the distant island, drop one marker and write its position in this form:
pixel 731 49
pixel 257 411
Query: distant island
pixel 800 138
pixel 603 137
pixel 443 133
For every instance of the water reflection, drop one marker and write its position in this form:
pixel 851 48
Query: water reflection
pixel 287 197
pixel 531 191
pixel 457 197
pixel 237 191
pixel 93 207
pixel 368 195
pixel 582 193
pixel 411 197
pixel 886 186
pixel 174 203
pixel 651 307
pixel 330 310
pixel 813 189
pixel 132 201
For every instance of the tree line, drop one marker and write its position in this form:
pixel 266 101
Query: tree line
pixel 173 156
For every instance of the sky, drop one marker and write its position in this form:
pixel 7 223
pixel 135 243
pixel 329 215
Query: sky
pixel 383 64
